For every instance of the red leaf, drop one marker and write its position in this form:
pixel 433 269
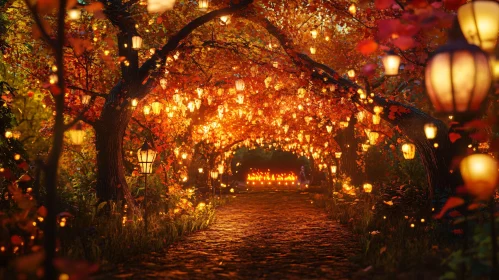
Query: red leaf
pixel 16 240
pixel 369 69
pixel 404 42
pixel 366 47
pixel 42 211
pixel 383 4
pixel 387 27
pixel 454 136
pixel 452 202
pixel 453 4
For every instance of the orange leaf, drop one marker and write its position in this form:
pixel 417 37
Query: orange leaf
pixel 366 47
pixel 452 202
pixel 454 136
pixel 404 42
pixel 42 211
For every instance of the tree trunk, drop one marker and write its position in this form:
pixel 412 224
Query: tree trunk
pixel 109 133
pixel 349 145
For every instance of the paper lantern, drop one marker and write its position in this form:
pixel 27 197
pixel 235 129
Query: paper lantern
pixel 479 172
pixel 479 21
pixel 373 137
pixel 76 135
pixel 159 6
pixel 430 130
pixel 240 85
pixel 74 14
pixel 376 119
pixel 391 62
pixel 136 42
pixel 368 188
pixel 203 5
pixel 333 168
pixel 337 154
pixel 408 150
pixel 156 107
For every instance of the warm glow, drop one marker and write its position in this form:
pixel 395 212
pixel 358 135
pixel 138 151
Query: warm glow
pixel 76 135
pixel 367 187
pixel 479 21
pixel 479 172
pixel 373 137
pixel 430 130
pixel 146 157
pixel 351 73
pixel 314 33
pixel 136 42
pixel 85 99
pixel 156 107
pixel 352 10
pixel 240 85
pixel 147 110
pixel 376 119
pixel 203 5
pixel 391 62
pixel 214 175
pixel 74 14
pixel 334 168
pixel 313 50
pixel 337 154
pixel 408 150
pixel 266 176
pixel 134 103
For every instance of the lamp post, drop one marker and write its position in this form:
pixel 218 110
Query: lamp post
pixel 214 176
pixel 146 156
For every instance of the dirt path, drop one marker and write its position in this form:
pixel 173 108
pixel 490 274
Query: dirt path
pixel 267 235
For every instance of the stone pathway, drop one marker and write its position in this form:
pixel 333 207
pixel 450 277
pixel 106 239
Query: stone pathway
pixel 266 235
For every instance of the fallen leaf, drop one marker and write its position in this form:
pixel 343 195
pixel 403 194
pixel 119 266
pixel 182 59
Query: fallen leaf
pixel 452 202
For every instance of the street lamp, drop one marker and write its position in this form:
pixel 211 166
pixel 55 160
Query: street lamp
pixel 479 22
pixel 76 135
pixel 458 77
pixel 146 156
pixel 136 43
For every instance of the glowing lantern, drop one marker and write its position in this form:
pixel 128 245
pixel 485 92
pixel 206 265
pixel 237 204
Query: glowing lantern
pixel 200 92
pixel 313 50
pixel 337 154
pixel 74 14
pixel 16 134
pixel 240 98
pixel 220 168
pixel 479 172
pixel 240 85
pixel 76 135
pixel 367 188
pixel 376 119
pixel 200 170
pixel 203 5
pixel 136 42
pixel 146 156
pixel 329 128
pixel 147 110
pixel 224 20
pixel 163 83
pixel 352 9
pixel 365 147
pixel 314 33
pixel 458 78
pixel 8 134
pixel 85 99
pixel 307 137
pixel 351 73
pixel 430 130
pixel 214 175
pixel 479 22
pixel 159 6
pixel 191 106
pixel 408 150
pixel 17 157
pixel 378 109
pixel 184 156
pixel 373 137
pixel 391 62
pixel 343 124
pixel 134 103
pixel 156 107
pixel 333 168
pixel 198 102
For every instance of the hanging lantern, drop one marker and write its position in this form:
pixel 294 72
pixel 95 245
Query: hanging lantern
pixel 156 107
pixel 198 102
pixel 200 92
pixel 146 156
pixel 163 83
pixel 391 62
pixel 224 20
pixel 286 128
pixel 329 128
pixel 333 168
pixel 337 154
pixel 376 119
pixel 203 5
pixel 368 188
pixel 373 137
pixel 479 172
pixel 76 135
pixel 136 42
pixel 479 22
pixel 200 170
pixel 430 130
pixel 351 73
pixel 220 168
pixel 352 10
pixel 214 175
pixel 184 156
pixel 314 33
pixel 240 85
pixel 74 14
pixel 209 99
pixel 191 106
pixel 365 147
pixel 85 99
pixel 134 103
pixel 408 150
pixel 147 110
pixel 8 134
pixel 313 50
pixel 240 98
pixel 377 109
pixel 159 6
pixel 458 78
pixel 343 124
pixel 361 115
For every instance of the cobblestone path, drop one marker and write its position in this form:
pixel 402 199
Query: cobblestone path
pixel 266 235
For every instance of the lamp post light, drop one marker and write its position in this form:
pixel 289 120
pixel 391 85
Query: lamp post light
pixel 146 156
pixel 76 135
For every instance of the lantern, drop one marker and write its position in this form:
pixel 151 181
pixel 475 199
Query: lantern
pixel 134 103
pixel 351 73
pixel 203 5
pixel 184 156
pixel 220 168
pixel 368 188
pixel 240 85
pixel 479 22
pixel 378 109
pixel 329 128
pixel 16 134
pixel 479 172
pixel 373 137
pixel 200 170
pixel 159 6
pixel 136 42
pixel 313 50
pixel 200 92
pixel 352 9
pixel 391 62
pixel 240 98
pixel 8 134
pixel 333 168
pixel 198 102
pixel 408 150
pixel 224 20
pixel 307 137
pixel 361 115
pixel 146 156
pixel 458 77
pixel 430 130
pixel 365 147
pixel 376 119
pixel 156 107
pixel 76 135
pixel 337 154
pixel 214 175
pixel 147 110
pixel 74 14
pixel 85 99
pixel 313 33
